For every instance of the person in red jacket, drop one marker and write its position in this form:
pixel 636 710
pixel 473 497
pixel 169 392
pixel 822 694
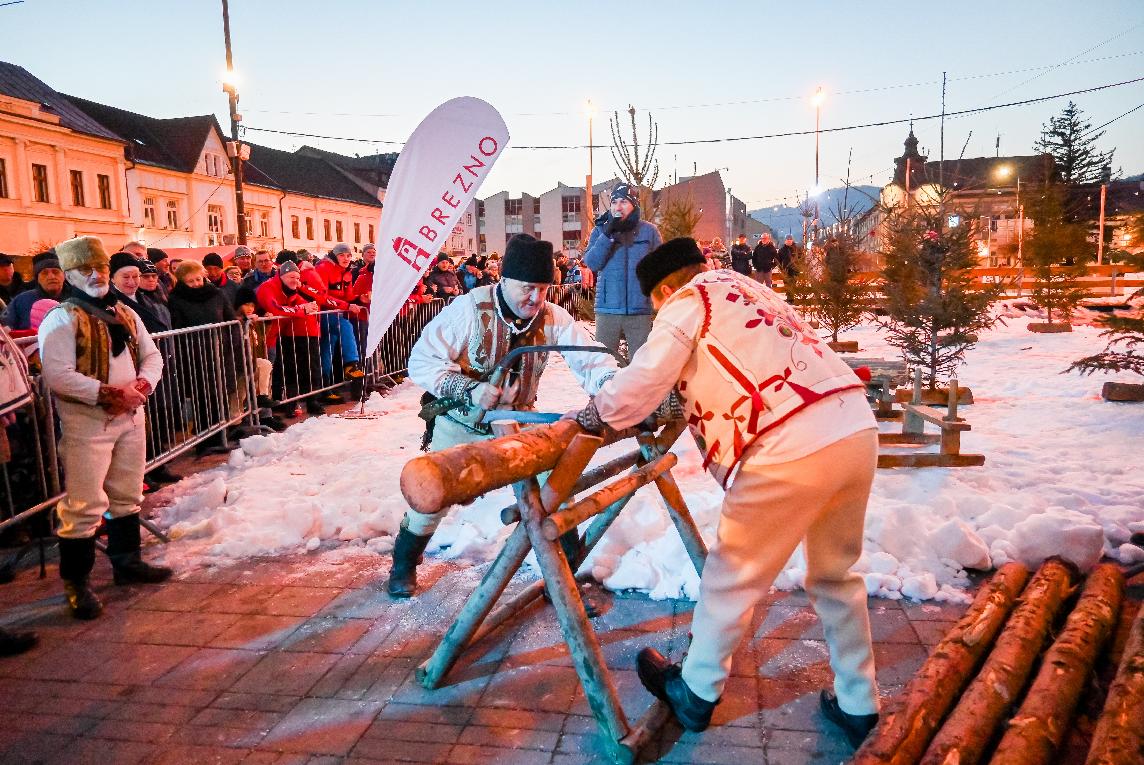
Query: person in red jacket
pixel 294 336
pixel 334 270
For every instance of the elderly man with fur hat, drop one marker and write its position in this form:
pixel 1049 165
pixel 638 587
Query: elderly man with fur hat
pixel 101 364
pixel 771 406
pixel 456 353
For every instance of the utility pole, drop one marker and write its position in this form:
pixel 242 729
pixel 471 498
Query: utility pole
pixel 1100 230
pixel 941 157
pixel 235 149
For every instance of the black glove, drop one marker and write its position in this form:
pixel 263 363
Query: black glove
pixel 612 225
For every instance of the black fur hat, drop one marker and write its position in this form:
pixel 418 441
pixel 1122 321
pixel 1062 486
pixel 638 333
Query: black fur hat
pixel 665 260
pixel 528 259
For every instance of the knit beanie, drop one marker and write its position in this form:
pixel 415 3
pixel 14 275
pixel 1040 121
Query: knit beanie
pixel 286 256
pixel 146 267
pixel 212 259
pixel 43 263
pixel 123 260
pixel 665 260
pixel 287 267
pixel 528 259
pixel 81 251
pixel 39 310
pixel 155 255
pixel 243 296
pixel 625 191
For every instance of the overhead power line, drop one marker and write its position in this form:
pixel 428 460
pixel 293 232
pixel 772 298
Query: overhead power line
pixel 731 139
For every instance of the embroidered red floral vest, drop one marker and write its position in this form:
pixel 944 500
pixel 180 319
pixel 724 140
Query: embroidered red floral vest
pixel 757 364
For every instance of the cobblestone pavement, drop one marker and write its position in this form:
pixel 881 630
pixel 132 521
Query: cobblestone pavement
pixel 274 661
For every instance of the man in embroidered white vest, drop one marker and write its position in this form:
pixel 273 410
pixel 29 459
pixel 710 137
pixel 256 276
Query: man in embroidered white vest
pixel 772 406
pixel 101 364
pixel 459 348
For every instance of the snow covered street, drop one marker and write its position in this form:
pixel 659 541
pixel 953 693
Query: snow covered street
pixel 1060 477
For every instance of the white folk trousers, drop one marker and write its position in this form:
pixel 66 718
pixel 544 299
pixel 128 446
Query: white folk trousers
pixel 103 464
pixel 821 500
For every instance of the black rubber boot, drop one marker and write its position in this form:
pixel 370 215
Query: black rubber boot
pixel 162 474
pixel 407 549
pixel 77 556
pixel 314 407
pixel 664 681
pixel 12 643
pixel 856 727
pixel 123 548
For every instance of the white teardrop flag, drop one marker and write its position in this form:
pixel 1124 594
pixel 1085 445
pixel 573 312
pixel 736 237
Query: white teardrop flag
pixel 437 175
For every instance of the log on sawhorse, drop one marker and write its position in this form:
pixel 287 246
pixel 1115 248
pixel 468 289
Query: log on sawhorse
pixel 914 418
pixel 543 513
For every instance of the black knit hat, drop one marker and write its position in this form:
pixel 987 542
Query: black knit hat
pixel 284 256
pixel 123 260
pixel 155 255
pixel 528 259
pixel 243 296
pixel 212 259
pixel 44 264
pixel 665 260
pixel 625 191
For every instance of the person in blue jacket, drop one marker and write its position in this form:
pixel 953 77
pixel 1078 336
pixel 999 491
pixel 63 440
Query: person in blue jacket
pixel 618 243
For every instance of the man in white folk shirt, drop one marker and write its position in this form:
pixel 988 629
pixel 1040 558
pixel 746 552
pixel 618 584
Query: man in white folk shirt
pixel 101 365
pixel 458 350
pixel 765 397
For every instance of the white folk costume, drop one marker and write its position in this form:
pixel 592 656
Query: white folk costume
pixel 91 348
pixel 458 349
pixel 783 424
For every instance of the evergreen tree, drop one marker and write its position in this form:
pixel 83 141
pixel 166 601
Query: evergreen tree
pixel 1058 252
pixel 934 311
pixel 840 300
pixel 1067 137
pixel 679 217
pixel 1125 340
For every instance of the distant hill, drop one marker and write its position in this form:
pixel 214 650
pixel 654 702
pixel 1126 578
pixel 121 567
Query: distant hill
pixel 784 219
pixel 1137 177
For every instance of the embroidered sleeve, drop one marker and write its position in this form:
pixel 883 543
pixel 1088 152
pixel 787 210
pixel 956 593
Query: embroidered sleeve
pixel 455 385
pixel 589 420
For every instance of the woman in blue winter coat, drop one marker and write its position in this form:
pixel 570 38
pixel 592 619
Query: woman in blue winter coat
pixel 618 243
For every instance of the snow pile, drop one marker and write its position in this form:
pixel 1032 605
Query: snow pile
pixel 1059 479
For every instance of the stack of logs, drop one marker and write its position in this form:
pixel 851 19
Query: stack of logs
pixel 988 693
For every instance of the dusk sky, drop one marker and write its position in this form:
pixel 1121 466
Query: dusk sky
pixel 704 70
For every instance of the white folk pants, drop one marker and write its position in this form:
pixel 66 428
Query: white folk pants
pixel 103 467
pixel 769 509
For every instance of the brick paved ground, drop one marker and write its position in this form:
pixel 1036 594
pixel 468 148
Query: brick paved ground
pixel 275 661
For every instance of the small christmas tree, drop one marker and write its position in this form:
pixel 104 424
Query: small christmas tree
pixel 839 300
pixel 1058 252
pixel 679 218
pixel 934 314
pixel 1125 339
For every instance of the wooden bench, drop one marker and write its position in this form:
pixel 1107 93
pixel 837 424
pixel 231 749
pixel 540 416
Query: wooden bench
pixel 885 376
pixel 914 419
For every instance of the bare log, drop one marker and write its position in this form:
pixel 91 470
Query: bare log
pixel 1119 735
pixel 596 475
pixel 1037 730
pixel 970 728
pixel 902 736
pixel 592 505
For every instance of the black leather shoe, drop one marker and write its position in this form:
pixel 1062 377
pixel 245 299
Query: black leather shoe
pixel 664 681
pixel 855 727
pixel 12 643
pixel 162 474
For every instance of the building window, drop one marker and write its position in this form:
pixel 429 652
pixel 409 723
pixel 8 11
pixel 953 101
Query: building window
pixel 40 183
pixel 309 228
pixel 514 207
pixel 249 222
pixel 3 179
pixel 104 183
pixel 536 206
pixel 338 230
pixel 469 222
pixel 326 229
pixel 77 188
pixel 480 209
pixel 570 204
pixel 264 224
pixel 371 232
pixel 173 214
pixel 357 233
pixel 149 212
pixel 214 219
pixel 294 227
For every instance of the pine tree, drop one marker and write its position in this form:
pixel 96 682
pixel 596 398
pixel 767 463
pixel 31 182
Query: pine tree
pixel 839 299
pixel 934 312
pixel 1058 251
pixel 679 217
pixel 1125 340
pixel 1067 137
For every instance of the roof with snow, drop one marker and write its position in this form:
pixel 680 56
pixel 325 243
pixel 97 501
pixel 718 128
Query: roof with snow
pixel 18 82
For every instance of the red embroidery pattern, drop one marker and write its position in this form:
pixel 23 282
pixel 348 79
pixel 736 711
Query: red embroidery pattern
pixel 706 309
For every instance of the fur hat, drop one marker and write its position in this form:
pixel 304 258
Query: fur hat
pixel 43 263
pixel 123 260
pixel 665 260
pixel 82 251
pixel 212 259
pixel 6 260
pixel 528 259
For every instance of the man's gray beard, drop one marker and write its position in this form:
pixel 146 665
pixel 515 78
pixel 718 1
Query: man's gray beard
pixel 95 292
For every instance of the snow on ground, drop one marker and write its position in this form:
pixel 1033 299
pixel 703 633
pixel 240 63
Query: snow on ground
pixel 1060 477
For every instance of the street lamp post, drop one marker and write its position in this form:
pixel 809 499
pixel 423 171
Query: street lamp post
pixel 588 214
pixel 818 96
pixel 231 89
